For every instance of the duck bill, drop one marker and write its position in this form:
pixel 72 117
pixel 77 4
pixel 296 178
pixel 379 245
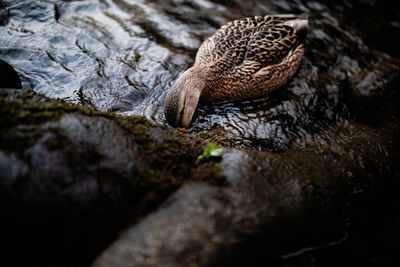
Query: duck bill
pixel 190 105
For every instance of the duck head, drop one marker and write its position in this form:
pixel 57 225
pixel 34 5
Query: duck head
pixel 181 101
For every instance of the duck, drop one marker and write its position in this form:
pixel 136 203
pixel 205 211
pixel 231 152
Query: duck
pixel 245 58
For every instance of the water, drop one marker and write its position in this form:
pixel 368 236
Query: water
pixel 124 56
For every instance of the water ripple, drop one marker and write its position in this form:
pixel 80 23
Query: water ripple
pixel 124 55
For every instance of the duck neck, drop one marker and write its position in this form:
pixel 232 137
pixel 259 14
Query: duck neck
pixel 195 78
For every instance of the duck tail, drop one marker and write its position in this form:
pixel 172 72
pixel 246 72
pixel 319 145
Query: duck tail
pixel 298 22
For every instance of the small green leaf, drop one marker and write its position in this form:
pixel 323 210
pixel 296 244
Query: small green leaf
pixel 216 152
pixel 210 150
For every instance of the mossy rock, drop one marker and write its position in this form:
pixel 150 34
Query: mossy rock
pixel 74 177
pixel 86 173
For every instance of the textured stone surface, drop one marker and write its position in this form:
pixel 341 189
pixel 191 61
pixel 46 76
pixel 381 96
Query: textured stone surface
pixel 72 178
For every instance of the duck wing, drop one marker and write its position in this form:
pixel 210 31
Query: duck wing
pixel 251 57
pixel 261 40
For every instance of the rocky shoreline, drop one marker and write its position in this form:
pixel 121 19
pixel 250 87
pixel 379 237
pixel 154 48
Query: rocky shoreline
pixel 74 179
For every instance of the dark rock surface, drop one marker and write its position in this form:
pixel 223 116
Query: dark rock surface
pixel 275 203
pixel 72 178
pixel 8 77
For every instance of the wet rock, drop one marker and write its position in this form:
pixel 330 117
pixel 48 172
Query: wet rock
pixel 8 77
pixel 275 203
pixel 72 178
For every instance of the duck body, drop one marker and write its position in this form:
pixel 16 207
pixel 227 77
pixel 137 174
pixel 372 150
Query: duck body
pixel 245 58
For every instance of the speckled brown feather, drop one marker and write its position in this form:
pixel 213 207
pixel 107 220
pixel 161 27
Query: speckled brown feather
pixel 249 58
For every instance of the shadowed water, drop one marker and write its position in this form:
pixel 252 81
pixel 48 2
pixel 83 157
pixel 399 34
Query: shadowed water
pixel 124 56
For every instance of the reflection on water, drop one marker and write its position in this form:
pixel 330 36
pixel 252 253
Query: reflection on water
pixel 124 55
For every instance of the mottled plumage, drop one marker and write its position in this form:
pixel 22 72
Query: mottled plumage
pixel 245 58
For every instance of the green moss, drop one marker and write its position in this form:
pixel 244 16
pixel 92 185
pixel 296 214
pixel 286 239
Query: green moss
pixel 161 167
pixel 175 159
pixel 215 135
pixel 171 162
pixel 210 172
